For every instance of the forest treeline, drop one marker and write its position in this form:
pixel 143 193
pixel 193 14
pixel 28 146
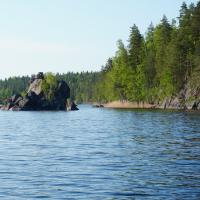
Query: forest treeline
pixel 149 68
pixel 81 85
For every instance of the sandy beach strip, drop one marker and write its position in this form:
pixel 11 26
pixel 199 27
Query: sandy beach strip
pixel 127 104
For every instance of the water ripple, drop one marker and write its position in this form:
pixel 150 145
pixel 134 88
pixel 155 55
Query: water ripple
pixel 99 154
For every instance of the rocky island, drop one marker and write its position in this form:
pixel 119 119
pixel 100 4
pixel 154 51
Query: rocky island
pixel 45 92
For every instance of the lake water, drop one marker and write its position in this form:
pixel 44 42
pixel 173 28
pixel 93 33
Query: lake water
pixel 99 154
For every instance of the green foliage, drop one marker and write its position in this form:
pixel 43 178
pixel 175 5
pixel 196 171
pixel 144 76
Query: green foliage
pixel 49 86
pixel 4 94
pixel 135 47
pixel 150 58
pixel 140 84
pixel 119 72
pixel 12 85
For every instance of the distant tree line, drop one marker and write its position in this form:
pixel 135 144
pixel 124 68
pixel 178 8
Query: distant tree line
pixel 81 85
pixel 12 85
pixel 151 67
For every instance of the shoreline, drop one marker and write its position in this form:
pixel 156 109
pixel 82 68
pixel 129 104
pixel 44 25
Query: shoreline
pixel 135 105
pixel 128 105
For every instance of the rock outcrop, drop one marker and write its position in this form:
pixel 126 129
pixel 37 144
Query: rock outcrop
pixel 187 99
pixel 35 98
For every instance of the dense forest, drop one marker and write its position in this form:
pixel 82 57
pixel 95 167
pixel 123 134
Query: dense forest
pixel 151 67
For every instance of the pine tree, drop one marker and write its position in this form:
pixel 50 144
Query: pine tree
pixel 149 63
pixel 135 47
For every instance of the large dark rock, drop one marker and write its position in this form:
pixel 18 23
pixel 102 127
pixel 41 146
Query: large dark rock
pixel 35 98
pixel 73 106
pixel 63 90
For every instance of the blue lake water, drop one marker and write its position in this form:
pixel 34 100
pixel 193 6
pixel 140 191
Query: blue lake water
pixel 100 154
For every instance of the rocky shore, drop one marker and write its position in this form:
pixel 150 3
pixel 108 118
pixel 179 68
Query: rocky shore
pixel 187 99
pixel 165 105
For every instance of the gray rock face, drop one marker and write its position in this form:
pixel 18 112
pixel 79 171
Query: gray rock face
pixel 166 103
pixel 187 99
pixel 35 86
pixel 198 106
pixel 35 98
pixel 175 103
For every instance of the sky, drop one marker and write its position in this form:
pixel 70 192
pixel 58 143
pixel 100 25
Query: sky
pixel 71 35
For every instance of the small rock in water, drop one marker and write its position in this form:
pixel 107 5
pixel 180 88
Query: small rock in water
pixel 73 106
pixel 98 106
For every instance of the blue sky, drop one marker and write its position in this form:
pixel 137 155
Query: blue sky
pixel 70 35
